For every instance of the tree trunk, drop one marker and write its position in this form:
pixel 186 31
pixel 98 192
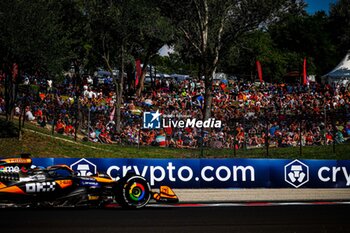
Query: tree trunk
pixel 207 102
pixel 20 127
pixel 77 82
pixel 7 97
pixel 141 85
pixel 78 118
pixel 208 97
pixel 12 101
pixel 119 91
pixel 143 75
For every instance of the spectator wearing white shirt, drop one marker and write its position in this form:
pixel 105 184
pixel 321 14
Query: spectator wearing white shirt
pixel 29 114
pixel 49 85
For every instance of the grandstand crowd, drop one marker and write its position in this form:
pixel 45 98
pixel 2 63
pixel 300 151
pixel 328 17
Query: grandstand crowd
pixel 252 114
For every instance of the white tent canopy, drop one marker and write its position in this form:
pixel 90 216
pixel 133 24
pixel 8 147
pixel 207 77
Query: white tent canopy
pixel 341 73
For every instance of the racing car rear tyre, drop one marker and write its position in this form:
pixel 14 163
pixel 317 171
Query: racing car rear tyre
pixel 133 192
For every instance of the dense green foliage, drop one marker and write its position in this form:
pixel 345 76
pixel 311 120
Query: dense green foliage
pixel 33 35
pixel 47 37
pixel 282 47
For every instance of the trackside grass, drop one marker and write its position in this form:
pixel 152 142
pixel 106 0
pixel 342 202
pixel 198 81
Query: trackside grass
pixel 40 143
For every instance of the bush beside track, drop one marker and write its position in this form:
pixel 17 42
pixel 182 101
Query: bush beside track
pixel 40 143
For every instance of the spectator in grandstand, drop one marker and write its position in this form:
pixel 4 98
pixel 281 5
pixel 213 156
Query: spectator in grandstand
pixel 161 139
pixel 29 115
pixel 60 126
pixel 247 103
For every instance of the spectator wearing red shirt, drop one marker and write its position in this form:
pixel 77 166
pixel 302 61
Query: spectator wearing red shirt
pixel 60 126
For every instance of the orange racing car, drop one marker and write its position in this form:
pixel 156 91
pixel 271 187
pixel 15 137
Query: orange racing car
pixel 60 186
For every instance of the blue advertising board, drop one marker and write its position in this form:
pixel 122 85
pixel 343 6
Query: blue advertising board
pixel 218 173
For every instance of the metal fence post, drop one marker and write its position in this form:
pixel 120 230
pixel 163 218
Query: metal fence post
pixel 244 132
pixel 267 133
pixel 202 142
pixel 325 125
pixel 334 130
pixel 89 117
pixel 139 141
pixel 234 137
pixel 300 133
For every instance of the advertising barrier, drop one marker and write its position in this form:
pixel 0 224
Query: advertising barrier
pixel 218 173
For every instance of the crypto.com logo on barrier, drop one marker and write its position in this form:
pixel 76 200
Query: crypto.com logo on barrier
pixel 84 167
pixel 154 120
pixel 296 173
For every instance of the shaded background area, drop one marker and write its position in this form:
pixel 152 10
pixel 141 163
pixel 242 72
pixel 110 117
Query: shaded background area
pixel 263 219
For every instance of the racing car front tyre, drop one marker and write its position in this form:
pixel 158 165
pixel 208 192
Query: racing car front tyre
pixel 133 192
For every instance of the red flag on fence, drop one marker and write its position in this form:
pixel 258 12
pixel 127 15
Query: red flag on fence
pixel 304 73
pixel 258 67
pixel 42 96
pixel 138 71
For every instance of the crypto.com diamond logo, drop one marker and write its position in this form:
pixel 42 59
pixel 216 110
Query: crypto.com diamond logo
pixel 296 173
pixel 151 120
pixel 84 167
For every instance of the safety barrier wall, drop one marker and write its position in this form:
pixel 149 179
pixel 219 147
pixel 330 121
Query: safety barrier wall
pixel 218 173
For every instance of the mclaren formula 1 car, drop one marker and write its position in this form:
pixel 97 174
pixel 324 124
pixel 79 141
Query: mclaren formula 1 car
pixel 58 186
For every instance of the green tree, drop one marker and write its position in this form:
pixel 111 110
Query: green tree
pixel 174 63
pixel 121 31
pixel 33 37
pixel 282 46
pixel 308 36
pixel 105 29
pixel 205 26
pixel 151 31
pixel 340 26
pixel 240 58
pixel 75 21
